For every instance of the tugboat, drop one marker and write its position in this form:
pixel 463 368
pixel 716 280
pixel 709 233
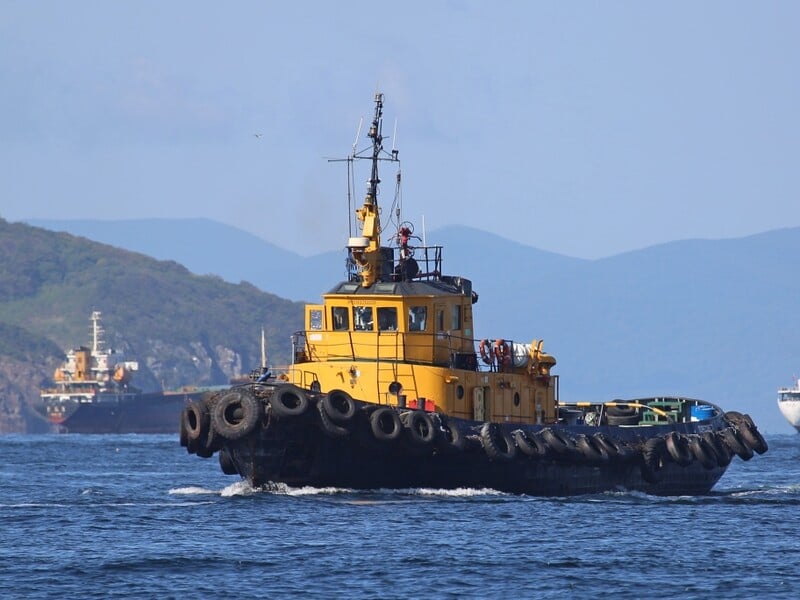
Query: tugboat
pixel 92 393
pixel 789 404
pixel 388 388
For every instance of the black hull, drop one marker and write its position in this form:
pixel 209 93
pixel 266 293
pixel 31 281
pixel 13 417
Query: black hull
pixel 318 461
pixel 134 413
pixel 304 450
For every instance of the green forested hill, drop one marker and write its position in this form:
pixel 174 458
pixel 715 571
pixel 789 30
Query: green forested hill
pixel 182 328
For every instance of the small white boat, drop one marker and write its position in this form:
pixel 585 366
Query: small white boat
pixel 789 403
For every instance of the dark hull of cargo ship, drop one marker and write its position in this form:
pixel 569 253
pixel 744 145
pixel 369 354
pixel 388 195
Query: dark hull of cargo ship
pixel 155 412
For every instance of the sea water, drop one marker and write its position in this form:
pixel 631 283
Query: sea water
pixel 136 516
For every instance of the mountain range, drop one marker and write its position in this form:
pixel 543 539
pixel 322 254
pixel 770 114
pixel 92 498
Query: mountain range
pixel 715 319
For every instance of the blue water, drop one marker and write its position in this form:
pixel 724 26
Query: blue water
pixel 135 516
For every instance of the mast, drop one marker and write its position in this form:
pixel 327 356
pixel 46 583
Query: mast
pixel 366 250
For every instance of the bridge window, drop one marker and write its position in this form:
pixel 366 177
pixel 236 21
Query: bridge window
pixel 417 315
pixel 455 322
pixel 340 318
pixel 315 318
pixel 387 319
pixel 362 318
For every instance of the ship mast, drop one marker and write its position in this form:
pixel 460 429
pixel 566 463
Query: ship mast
pixel 366 250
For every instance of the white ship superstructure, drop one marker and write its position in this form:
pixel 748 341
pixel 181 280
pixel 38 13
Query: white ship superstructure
pixel 789 404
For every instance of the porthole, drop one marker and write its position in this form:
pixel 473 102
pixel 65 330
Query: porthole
pixel 516 398
pixel 460 391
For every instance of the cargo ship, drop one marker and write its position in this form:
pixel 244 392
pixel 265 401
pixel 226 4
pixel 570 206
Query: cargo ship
pixel 789 404
pixel 92 393
pixel 389 387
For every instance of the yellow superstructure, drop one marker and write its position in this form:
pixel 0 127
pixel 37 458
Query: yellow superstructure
pixel 400 333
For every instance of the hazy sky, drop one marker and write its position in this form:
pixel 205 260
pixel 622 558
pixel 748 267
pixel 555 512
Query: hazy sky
pixel 584 128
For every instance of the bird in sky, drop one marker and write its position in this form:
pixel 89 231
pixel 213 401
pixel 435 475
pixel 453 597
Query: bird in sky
pixel 258 135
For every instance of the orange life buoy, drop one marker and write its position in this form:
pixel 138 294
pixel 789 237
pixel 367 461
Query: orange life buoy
pixel 502 353
pixel 486 352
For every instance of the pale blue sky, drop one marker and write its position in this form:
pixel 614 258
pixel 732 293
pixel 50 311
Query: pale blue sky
pixel 584 128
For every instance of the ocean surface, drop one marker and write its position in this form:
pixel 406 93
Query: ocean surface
pixel 135 516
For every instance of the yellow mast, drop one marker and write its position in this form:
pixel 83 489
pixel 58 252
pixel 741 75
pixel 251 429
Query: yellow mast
pixel 367 250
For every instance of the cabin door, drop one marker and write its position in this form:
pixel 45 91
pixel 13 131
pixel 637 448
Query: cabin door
pixel 441 344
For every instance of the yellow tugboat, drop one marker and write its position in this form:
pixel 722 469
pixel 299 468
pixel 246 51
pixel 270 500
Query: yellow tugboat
pixel 390 389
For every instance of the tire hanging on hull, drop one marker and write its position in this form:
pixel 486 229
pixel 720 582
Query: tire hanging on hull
pixel 385 424
pixel 288 400
pixel 653 454
pixel 236 414
pixel 497 443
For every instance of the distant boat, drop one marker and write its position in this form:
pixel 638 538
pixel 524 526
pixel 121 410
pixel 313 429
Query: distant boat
pixel 92 394
pixel 789 403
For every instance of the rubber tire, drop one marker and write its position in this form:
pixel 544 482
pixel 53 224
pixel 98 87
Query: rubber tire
pixel 493 439
pixel 288 400
pixel 530 445
pixel 589 450
pixel 451 438
pixel 678 448
pixel 732 439
pixel 622 411
pixel 340 406
pixel 703 452
pixel 381 417
pixel 226 463
pixel 419 428
pixel 724 454
pixel 234 427
pixel 616 450
pixel 653 454
pixel 183 434
pixel 752 436
pixel 197 422
pixel 557 444
pixel 328 426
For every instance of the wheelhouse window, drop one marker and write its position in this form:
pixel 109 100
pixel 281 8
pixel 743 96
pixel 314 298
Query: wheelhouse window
pixel 315 319
pixel 340 317
pixel 417 315
pixel 455 321
pixel 387 318
pixel 362 318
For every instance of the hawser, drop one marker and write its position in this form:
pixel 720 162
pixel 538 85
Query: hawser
pixel 389 388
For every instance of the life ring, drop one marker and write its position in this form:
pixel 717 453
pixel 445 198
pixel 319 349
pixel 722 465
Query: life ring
pixel 226 463
pixel 328 426
pixel 751 435
pixel 589 450
pixel 340 406
pixel 497 443
pixel 678 448
pixel 653 454
pixel 487 355
pixel 385 424
pixel 502 353
pixel 235 415
pixel 703 452
pixel 734 441
pixel 288 401
pixel 419 427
